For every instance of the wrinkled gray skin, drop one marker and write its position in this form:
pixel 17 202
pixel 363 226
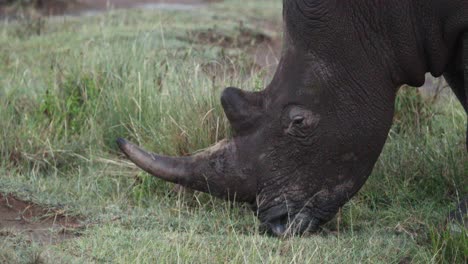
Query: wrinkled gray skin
pixel 307 143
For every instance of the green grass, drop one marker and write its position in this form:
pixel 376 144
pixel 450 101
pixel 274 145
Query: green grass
pixel 72 87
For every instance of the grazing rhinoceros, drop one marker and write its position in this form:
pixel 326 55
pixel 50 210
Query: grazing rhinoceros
pixel 308 142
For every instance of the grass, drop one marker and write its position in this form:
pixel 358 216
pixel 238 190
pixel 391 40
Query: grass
pixel 72 87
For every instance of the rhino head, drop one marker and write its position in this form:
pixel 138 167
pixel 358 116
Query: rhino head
pixel 304 145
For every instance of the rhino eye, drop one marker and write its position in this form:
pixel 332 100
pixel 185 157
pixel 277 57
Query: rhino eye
pixel 298 120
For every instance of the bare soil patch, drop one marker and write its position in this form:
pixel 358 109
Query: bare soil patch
pixel 228 67
pixel 42 225
pixel 104 4
pixel 245 37
pixel 267 54
pixel 262 48
pixel 77 7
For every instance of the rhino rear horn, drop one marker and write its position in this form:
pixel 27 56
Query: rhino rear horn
pixel 243 109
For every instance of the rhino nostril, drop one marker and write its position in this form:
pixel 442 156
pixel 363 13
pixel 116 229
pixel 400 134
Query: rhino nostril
pixel 278 229
pixel 284 226
pixel 276 226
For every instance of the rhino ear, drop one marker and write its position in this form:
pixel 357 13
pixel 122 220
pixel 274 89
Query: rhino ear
pixel 243 109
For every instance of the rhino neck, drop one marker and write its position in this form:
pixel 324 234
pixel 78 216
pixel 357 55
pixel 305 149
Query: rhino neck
pixel 425 36
pixel 353 43
pixel 392 38
pixel 443 31
pixel 403 39
pixel 410 38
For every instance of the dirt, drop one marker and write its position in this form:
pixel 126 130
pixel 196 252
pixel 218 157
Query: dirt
pixel 267 55
pixel 78 7
pixel 42 225
pixel 243 38
pixel 263 49
pixel 103 5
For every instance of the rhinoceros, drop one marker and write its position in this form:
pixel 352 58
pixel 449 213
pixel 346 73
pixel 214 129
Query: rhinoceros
pixel 303 146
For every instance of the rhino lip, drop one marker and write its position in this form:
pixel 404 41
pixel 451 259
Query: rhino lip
pixel 290 225
pixel 275 226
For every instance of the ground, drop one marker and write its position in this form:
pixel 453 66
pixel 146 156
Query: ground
pixel 71 85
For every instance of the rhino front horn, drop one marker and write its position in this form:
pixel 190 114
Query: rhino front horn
pixel 212 171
